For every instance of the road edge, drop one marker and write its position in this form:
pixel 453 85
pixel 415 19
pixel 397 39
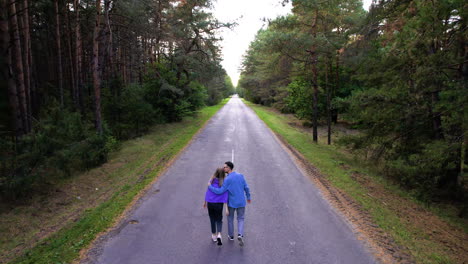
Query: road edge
pixel 94 248
pixel 383 248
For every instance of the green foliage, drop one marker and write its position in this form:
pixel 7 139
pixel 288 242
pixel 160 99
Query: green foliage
pixel 158 62
pixel 299 99
pixel 197 95
pixel 399 75
pixel 59 144
pixel 65 245
pixel 163 93
pixel 129 113
pixel 282 53
pixel 229 87
pixel 340 169
pixel 411 102
pixel 427 170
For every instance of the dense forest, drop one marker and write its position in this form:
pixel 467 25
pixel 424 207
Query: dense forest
pixel 398 73
pixel 78 76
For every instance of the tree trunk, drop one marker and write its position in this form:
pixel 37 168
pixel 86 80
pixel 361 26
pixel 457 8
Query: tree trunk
pixel 464 143
pixel 158 22
pixel 7 69
pixel 337 86
pixel 70 55
pixel 19 69
pixel 96 68
pixel 78 59
pixel 436 116
pixel 329 116
pixel 59 52
pixel 32 66
pixel 27 58
pixel 110 50
pixel 315 80
pixel 124 66
pixel 463 75
pixel 130 63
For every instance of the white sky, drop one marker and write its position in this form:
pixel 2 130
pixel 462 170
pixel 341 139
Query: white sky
pixel 248 14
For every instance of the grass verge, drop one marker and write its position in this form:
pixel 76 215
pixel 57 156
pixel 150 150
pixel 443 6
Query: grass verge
pixel 62 223
pixel 426 236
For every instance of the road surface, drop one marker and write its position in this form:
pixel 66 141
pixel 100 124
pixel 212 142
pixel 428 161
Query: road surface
pixel 288 221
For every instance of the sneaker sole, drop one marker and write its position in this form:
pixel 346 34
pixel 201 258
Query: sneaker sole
pixel 220 243
pixel 241 241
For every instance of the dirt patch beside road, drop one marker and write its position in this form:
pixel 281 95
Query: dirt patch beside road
pixel 452 240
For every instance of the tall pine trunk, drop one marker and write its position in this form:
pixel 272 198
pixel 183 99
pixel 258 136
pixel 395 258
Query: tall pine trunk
pixel 336 87
pixel 110 50
pixel 328 88
pixel 315 79
pixel 77 98
pixel 96 69
pixel 59 52
pixel 463 76
pixel 27 60
pixel 7 69
pixel 124 65
pixel 158 22
pixel 18 66
pixel 70 54
pixel 436 116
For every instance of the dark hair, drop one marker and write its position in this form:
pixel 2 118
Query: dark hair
pixel 230 164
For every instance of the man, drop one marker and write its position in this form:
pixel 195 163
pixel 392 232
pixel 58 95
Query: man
pixel 236 186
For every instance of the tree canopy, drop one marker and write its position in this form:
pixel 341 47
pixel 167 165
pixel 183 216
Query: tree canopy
pixel 398 72
pixel 79 75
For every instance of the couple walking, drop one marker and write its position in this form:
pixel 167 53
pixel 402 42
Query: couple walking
pixel 227 187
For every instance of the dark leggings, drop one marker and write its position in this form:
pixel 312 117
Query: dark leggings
pixel 215 211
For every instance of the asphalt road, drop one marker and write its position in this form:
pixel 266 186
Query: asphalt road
pixel 288 221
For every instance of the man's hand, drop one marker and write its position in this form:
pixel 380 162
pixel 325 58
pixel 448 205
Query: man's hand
pixel 209 182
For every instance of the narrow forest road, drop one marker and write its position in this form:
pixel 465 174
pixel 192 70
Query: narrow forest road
pixel 287 222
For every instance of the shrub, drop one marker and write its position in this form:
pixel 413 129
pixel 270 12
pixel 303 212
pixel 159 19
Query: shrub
pixel 427 171
pixel 58 145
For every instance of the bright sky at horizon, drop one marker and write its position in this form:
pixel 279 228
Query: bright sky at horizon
pixel 248 15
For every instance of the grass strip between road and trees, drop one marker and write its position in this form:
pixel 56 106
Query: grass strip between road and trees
pixel 144 159
pixel 329 160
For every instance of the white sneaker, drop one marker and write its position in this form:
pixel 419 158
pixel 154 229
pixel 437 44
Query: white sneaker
pixel 220 242
pixel 241 240
pixel 213 237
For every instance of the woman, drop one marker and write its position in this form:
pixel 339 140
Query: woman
pixel 215 203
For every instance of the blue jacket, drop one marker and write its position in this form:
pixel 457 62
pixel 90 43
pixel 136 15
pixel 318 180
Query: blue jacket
pixel 236 185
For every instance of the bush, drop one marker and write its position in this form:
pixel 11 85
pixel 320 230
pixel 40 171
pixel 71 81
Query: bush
pixel 58 145
pixel 129 114
pixel 197 96
pixel 427 171
pixel 300 100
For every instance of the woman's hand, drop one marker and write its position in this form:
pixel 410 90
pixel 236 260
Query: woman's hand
pixel 209 181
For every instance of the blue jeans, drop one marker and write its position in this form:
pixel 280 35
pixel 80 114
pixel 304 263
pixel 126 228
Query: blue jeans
pixel 240 220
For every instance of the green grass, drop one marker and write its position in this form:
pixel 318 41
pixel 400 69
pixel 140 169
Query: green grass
pixel 328 158
pixel 140 162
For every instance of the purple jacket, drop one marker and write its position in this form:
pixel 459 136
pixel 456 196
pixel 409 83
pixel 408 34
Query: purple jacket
pixel 211 197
